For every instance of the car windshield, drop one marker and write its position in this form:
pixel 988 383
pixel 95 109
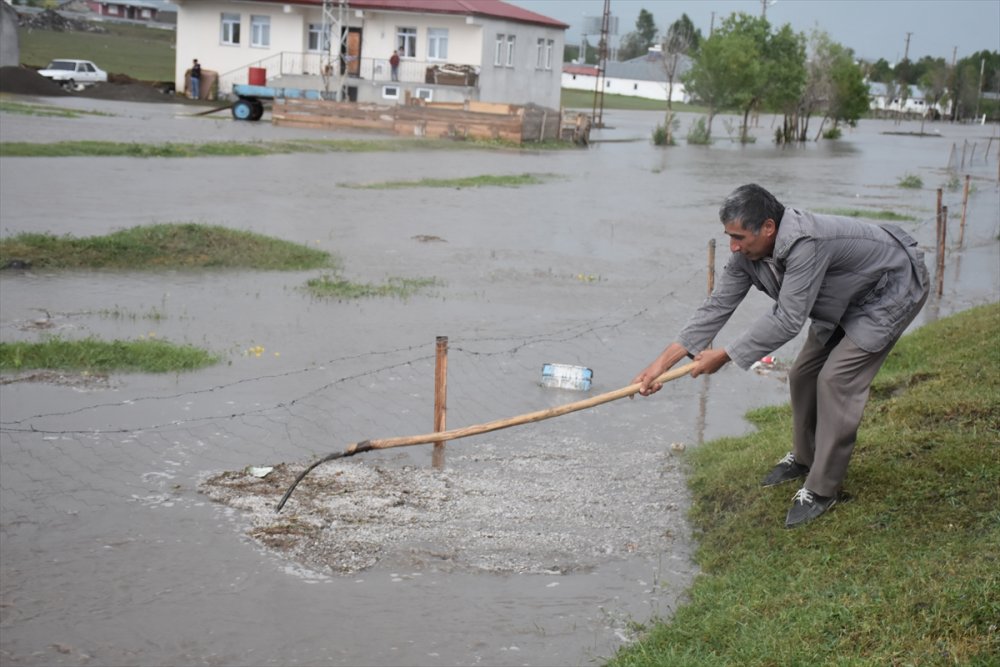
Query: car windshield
pixel 62 64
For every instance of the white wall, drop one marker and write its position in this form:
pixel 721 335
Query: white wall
pixel 652 90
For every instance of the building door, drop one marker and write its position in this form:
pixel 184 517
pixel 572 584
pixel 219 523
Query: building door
pixel 351 53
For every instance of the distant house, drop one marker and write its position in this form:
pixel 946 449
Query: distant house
pixel 134 10
pixel 450 50
pixel 915 102
pixel 645 76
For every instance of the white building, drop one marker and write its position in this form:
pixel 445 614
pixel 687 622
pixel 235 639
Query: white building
pixel 915 102
pixel 451 50
pixel 645 76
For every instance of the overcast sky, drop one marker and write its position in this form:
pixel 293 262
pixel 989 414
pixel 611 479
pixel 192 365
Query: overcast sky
pixel 873 28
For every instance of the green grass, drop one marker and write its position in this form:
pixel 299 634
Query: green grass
pixel 869 214
pixel 9 106
pixel 146 54
pixel 181 245
pixel 334 287
pixel 584 99
pixel 252 149
pixel 90 355
pixel 509 181
pixel 910 182
pixel 904 573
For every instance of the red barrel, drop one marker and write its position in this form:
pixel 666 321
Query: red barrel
pixel 258 76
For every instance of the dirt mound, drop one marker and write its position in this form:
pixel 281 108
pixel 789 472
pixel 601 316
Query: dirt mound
pixel 22 81
pixel 136 91
pixel 25 81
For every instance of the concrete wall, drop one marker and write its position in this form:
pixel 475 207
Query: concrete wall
pixel 10 52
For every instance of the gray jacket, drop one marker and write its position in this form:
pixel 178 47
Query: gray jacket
pixel 865 278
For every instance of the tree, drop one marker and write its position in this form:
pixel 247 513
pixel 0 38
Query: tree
pixel 682 39
pixel 637 43
pixel 836 86
pixel 724 65
pixel 784 75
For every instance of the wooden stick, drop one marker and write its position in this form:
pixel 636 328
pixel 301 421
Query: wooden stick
pixel 440 399
pixel 527 418
pixel 454 434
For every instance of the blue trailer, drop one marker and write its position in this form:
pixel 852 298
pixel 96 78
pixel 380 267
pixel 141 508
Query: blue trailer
pixel 249 104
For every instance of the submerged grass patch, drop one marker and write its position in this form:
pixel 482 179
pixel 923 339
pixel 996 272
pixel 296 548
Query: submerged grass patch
pixel 91 355
pixel 177 245
pixel 503 181
pixel 9 106
pixel 869 214
pixel 335 287
pixel 250 149
pixel 903 572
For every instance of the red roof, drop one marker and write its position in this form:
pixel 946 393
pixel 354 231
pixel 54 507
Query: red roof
pixel 496 9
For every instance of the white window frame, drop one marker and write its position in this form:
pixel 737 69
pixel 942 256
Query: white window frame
pixel 227 34
pixel 425 94
pixel 437 44
pixel 260 31
pixel 540 53
pixel 498 54
pixel 406 38
pixel 112 9
pixel 550 45
pixel 314 34
pixel 390 92
pixel 511 43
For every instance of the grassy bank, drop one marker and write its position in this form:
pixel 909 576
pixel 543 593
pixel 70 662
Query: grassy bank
pixel 95 356
pixel 142 53
pixel 487 180
pixel 335 287
pixel 163 246
pixel 904 572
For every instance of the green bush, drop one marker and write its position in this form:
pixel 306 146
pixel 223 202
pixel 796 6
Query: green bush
pixel 911 181
pixel 698 133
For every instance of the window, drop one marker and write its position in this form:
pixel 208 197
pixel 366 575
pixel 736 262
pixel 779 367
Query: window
pixel 510 50
pixel 316 42
pixel 390 92
pixel 230 29
pixel 540 54
pixel 113 10
pixel 498 54
pixel 260 31
pixel 407 40
pixel 549 46
pixel 437 44
pixel 425 94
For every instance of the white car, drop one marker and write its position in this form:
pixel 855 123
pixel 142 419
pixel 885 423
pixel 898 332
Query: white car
pixel 74 74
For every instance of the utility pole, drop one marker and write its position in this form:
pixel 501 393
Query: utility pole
pixel 906 53
pixel 711 26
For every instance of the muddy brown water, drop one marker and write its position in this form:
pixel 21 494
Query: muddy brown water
pixel 538 545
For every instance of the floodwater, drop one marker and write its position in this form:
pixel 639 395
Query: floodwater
pixel 112 555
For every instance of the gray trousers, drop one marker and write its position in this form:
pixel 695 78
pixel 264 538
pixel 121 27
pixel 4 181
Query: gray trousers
pixel 829 389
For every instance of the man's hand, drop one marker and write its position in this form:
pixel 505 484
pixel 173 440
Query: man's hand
pixel 709 361
pixel 670 356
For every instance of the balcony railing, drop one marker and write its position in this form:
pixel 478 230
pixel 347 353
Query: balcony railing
pixel 290 63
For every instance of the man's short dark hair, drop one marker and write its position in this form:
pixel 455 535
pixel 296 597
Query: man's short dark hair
pixel 751 205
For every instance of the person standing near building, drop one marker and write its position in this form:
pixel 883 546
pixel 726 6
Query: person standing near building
pixel 195 80
pixel 861 284
pixel 394 65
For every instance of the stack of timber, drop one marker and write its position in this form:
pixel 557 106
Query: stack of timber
pixel 332 115
pixel 459 120
pixel 471 120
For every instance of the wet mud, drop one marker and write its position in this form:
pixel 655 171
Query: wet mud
pixel 134 527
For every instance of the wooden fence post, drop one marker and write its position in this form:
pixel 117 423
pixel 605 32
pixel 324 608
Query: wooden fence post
pixel 942 229
pixel 440 398
pixel 965 206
